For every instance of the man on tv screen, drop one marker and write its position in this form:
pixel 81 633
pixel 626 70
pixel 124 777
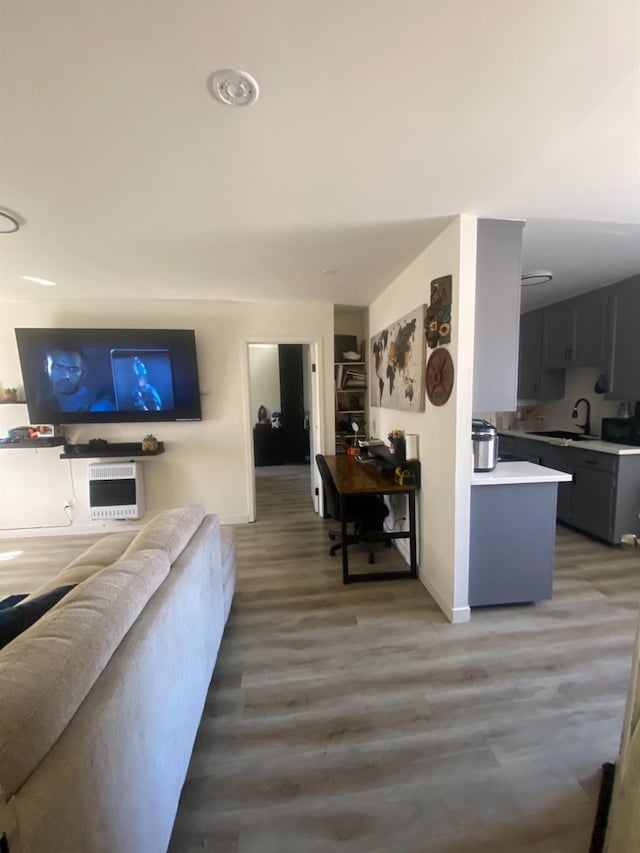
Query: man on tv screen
pixel 145 395
pixel 69 393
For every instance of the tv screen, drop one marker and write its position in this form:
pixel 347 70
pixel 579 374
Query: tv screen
pixel 84 376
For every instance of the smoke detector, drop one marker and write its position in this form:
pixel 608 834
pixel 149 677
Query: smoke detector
pixel 233 87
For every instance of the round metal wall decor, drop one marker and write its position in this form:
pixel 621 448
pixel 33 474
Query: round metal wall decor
pixel 439 377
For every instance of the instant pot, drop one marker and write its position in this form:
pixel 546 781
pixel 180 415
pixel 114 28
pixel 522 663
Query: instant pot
pixel 484 437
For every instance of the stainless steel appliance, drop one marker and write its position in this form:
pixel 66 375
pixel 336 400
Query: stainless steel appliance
pixel 484 437
pixel 621 430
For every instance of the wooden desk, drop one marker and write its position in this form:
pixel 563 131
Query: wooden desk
pixel 364 478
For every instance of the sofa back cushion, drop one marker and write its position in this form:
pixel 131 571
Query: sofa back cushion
pixel 47 671
pixel 102 553
pixel 105 551
pixel 169 531
pixel 16 619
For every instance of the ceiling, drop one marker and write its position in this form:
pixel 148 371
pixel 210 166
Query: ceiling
pixel 377 122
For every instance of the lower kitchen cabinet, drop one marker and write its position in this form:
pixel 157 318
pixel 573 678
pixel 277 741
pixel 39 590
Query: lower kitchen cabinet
pixel 556 458
pixel 512 539
pixel 603 498
pixel 593 498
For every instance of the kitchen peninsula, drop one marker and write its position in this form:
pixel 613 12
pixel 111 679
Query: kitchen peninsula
pixel 512 536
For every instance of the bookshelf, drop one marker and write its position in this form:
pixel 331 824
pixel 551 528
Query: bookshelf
pixel 350 379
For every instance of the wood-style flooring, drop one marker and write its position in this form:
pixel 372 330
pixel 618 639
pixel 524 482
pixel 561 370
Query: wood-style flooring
pixel 358 719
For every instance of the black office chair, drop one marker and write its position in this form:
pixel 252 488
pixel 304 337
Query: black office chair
pixel 365 512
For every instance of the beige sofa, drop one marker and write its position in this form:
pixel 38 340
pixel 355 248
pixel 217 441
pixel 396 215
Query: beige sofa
pixel 101 698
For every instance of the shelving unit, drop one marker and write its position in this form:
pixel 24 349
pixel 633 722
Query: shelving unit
pixel 350 380
pixel 129 449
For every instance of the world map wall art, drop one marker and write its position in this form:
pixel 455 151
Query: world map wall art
pixel 397 364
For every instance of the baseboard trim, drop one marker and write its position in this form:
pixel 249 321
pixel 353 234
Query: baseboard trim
pixel 455 615
pixel 72 529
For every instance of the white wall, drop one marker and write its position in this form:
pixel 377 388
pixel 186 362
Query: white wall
pixel 444 433
pixel 208 462
pixel 579 382
pixel 264 379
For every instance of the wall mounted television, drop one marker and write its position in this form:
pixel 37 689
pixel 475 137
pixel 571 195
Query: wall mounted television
pixel 96 376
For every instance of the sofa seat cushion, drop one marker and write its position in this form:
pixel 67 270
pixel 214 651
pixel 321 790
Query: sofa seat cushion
pixel 16 619
pixel 47 671
pixel 169 531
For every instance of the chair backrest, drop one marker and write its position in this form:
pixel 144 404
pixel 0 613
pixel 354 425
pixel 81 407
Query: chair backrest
pixel 331 499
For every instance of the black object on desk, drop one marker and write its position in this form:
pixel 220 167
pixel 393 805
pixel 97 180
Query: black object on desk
pixel 389 462
pixel 354 478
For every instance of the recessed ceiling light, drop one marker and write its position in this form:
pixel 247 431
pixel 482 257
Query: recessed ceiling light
pixel 528 279
pixel 330 271
pixel 8 223
pixel 233 87
pixel 37 280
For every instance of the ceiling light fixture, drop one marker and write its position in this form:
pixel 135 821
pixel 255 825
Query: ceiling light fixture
pixel 37 280
pixel 8 223
pixel 529 279
pixel 233 87
pixel 330 271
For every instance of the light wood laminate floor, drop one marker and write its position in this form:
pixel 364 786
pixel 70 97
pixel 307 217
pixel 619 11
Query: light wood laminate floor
pixel 358 719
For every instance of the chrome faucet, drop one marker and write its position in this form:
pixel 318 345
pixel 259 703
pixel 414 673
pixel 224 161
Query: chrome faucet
pixel 587 424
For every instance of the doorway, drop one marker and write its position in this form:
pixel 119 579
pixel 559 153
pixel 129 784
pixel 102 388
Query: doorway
pixel 284 416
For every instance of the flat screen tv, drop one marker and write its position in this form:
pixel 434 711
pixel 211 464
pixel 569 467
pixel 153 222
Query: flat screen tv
pixel 95 376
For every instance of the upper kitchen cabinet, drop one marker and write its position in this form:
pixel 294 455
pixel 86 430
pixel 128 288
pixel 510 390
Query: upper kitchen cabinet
pixel 498 271
pixel 623 362
pixel 534 382
pixel 573 332
pixel 558 335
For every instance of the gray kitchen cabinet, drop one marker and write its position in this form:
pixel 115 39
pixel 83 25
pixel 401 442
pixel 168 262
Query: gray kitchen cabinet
pixel 558 335
pixel 592 501
pixel 623 350
pixel 604 497
pixel 498 271
pixel 511 543
pixel 573 331
pixel 534 382
pixel 558 459
pixel 590 338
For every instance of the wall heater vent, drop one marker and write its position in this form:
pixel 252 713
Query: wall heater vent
pixel 116 490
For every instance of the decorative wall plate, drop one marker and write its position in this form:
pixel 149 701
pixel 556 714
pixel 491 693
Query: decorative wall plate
pixel 439 376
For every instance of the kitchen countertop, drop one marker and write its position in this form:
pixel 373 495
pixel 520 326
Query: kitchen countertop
pixel 514 473
pixel 590 444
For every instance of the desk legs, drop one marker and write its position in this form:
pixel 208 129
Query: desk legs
pixel 375 576
pixel 413 548
pixel 343 532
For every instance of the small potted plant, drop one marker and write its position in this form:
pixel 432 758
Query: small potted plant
pixel 9 395
pixel 149 443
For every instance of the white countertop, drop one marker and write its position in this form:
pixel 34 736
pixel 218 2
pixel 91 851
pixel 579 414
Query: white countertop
pixel 513 473
pixel 591 444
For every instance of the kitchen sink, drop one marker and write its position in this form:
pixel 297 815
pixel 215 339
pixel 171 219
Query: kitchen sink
pixel 561 433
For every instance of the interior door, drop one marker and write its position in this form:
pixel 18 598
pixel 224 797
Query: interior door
pixel 295 434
